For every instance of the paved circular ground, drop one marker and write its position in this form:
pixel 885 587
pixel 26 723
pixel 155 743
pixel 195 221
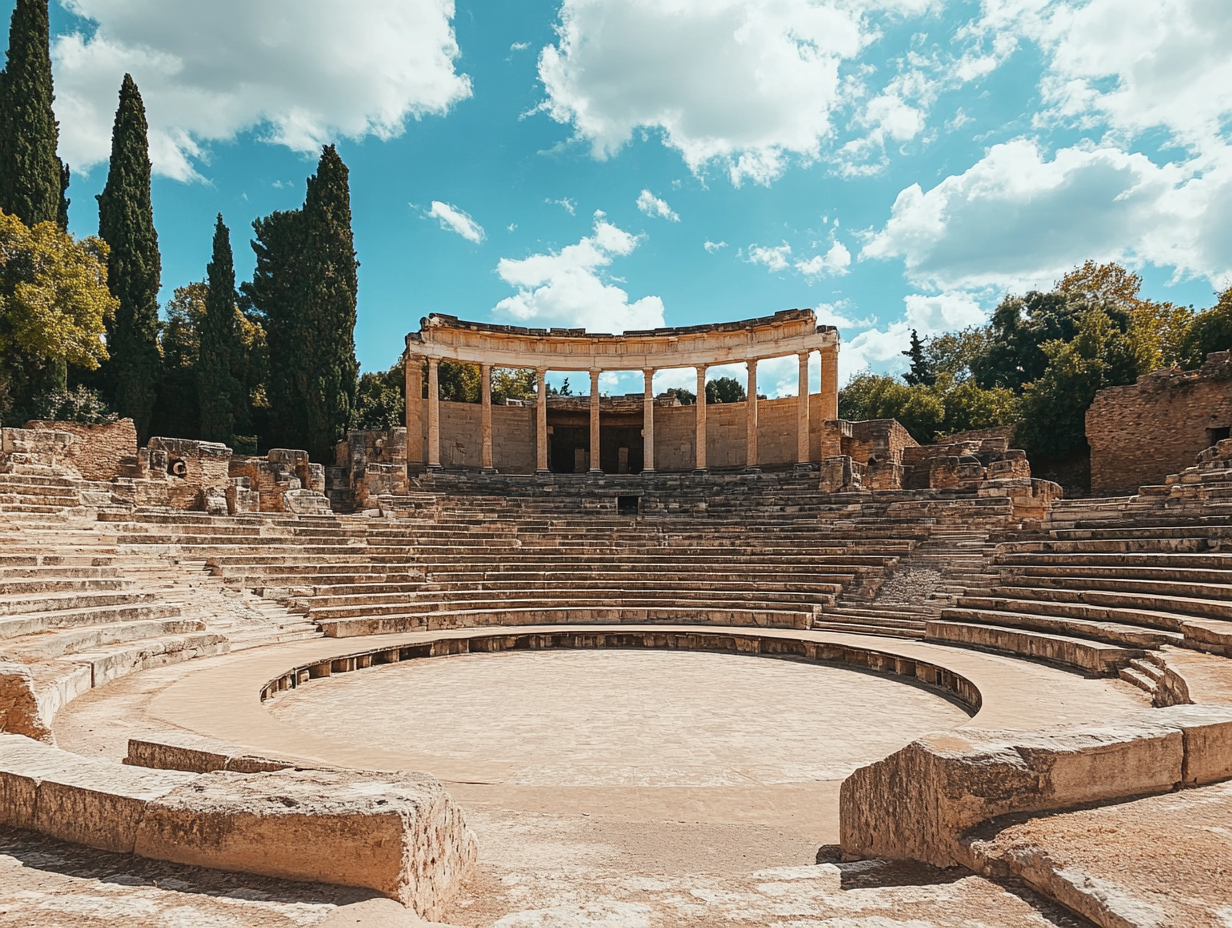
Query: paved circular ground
pixel 626 718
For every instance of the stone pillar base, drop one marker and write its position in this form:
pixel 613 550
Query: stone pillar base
pixel 701 471
pixel 543 473
pixel 752 470
pixel 435 468
pixel 805 467
pixel 489 470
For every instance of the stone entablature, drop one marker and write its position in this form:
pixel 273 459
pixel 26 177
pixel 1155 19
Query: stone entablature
pixel 749 341
pixel 1142 432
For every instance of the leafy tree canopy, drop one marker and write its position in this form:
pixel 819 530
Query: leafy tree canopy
pixel 725 390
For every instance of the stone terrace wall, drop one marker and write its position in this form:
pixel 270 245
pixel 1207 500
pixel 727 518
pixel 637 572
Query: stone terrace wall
pixel 1142 432
pixel 99 450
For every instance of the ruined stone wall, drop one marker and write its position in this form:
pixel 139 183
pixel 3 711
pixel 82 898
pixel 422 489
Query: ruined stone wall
pixel 99 450
pixel 1142 432
pixel 884 438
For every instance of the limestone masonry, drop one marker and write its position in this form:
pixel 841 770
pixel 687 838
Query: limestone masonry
pixel 196 648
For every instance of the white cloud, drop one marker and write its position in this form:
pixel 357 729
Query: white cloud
pixel 568 288
pixel 568 205
pixel 1133 66
pixel 743 83
pixel 303 72
pixel 775 258
pixel 833 262
pixel 651 205
pixel 453 219
pixel 944 312
pixel 714 247
pixel 1016 220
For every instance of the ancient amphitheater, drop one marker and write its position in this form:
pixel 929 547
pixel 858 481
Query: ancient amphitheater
pixel 841 681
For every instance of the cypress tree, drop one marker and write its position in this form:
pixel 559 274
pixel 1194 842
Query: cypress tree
pixel 126 224
pixel 328 370
pixel 305 288
pixel 274 292
pixel 32 178
pixel 216 384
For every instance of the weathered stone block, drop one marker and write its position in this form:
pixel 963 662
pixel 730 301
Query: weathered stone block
pixel 396 833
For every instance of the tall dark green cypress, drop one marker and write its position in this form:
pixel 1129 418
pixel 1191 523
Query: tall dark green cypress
pixel 275 294
pixel 32 178
pixel 305 288
pixel 126 224
pixel 328 372
pixel 216 385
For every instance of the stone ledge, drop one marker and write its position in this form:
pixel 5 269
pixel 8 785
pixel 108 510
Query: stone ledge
pixel 397 833
pixel 918 803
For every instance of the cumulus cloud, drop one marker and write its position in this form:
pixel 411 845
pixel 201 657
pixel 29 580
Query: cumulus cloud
pixel 779 258
pixel 742 83
pixel 1133 66
pixel 568 288
pixel 714 247
pixel 453 219
pixel 651 205
pixel 300 72
pixel 776 258
pixel 1018 220
pixel 881 349
pixel 833 262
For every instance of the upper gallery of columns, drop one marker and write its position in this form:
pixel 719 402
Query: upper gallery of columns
pixel 790 331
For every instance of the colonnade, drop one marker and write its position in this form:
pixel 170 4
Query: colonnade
pixel 829 385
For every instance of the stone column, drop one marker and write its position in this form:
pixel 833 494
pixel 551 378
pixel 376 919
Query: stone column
pixel 699 407
pixel 595 467
pixel 541 425
pixel 750 420
pixel 802 413
pixel 485 378
pixel 829 382
pixel 434 415
pixel 648 464
pixel 413 369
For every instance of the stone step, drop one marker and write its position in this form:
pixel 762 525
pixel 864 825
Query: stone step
pixel 1096 658
pixel 1211 601
pixel 107 664
pixel 391 624
pixel 1129 636
pixel 12 627
pixel 48 646
pixel 62 602
pixel 858 628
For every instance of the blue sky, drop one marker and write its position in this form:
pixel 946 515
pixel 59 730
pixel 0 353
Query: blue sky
pixel 627 163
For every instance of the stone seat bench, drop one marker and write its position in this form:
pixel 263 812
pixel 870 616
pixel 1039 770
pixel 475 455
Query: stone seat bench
pixel 49 644
pixel 396 833
pixel 49 582
pixel 1191 544
pixel 1074 568
pixel 1139 530
pixel 833 583
pixel 1207 599
pixel 598 615
pixel 14 626
pixel 31 603
pixel 1000 613
pixel 615 599
pixel 1093 657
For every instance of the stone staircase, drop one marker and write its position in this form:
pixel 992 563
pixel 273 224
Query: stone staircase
pixel 949 564
pixel 1106 594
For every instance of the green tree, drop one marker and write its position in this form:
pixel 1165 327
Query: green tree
pixel 53 303
pixel 32 178
pixel 177 411
pixel 220 392
pixel 274 296
pixel 327 378
pixel 305 289
pixel 381 400
pixel 921 372
pixel 126 224
pixel 512 384
pixel 1210 331
pixel 725 390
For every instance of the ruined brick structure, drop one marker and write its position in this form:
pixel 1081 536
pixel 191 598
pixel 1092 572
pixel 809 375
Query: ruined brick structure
pixel 1142 432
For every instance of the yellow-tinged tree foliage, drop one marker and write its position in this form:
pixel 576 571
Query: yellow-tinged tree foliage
pixel 1159 329
pixel 53 294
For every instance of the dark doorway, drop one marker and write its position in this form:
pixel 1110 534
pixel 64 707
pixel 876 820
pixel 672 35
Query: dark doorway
pixel 569 450
pixel 1215 436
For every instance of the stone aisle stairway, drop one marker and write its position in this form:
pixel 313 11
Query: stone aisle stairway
pixel 951 563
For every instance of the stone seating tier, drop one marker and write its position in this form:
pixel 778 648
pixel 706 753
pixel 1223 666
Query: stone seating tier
pixel 1104 595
